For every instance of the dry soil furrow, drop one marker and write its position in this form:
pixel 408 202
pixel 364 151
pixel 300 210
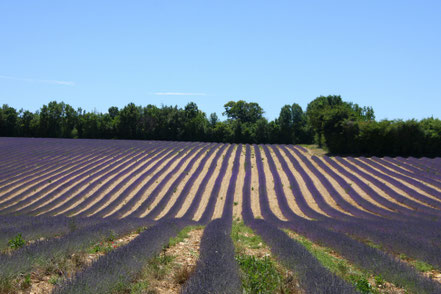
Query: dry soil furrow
pixel 319 186
pixel 254 195
pixel 171 180
pixel 222 195
pixel 270 185
pixel 338 188
pixel 388 184
pixel 290 198
pixel 124 163
pixel 309 199
pixel 112 192
pixel 208 187
pixel 194 186
pixel 164 170
pixel 410 185
pixel 372 186
pixel 52 185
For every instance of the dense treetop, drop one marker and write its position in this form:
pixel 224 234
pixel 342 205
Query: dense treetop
pixel 341 127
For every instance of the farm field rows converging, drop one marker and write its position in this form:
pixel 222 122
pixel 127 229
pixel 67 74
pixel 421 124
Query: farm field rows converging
pixel 116 216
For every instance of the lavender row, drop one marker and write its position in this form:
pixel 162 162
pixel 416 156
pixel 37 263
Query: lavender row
pixel 157 209
pixel 22 261
pixel 24 160
pixel 126 192
pixel 393 239
pixel 386 175
pixel 39 181
pixel 29 164
pixel 163 154
pixel 392 193
pixel 66 151
pixel 227 212
pixel 294 185
pixel 312 276
pixel 180 158
pixel 413 170
pixel 34 228
pixel 99 204
pixel 217 271
pixel 371 192
pixel 80 171
pixel 190 182
pixel 209 209
pixel 56 168
pixel 154 194
pixel 338 198
pixel 74 184
pixel 263 191
pixel 318 197
pixel 82 200
pixel 423 166
pixel 398 169
pixel 247 212
pixel 360 254
pixel 347 187
pixel 119 267
pixel 119 162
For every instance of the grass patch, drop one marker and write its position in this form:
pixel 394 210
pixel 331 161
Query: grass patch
pixel 244 236
pixel 362 280
pixel 418 264
pixel 183 234
pixel 159 268
pixel 259 274
pixel 16 242
pixel 316 150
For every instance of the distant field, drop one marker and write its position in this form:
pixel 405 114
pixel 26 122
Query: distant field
pixel 381 216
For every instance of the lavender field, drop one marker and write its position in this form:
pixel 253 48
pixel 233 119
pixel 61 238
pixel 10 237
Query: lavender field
pixel 97 216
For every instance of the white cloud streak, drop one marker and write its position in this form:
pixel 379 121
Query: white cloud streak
pixel 53 82
pixel 178 94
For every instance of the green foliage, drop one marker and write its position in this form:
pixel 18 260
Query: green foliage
pixel 340 267
pixel 418 264
pixel 54 280
pixel 379 280
pixel 183 234
pixel 362 285
pixel 243 111
pixel 16 242
pixel 141 229
pixel 259 274
pixel 111 237
pixel 139 287
pixel 103 247
pixel 422 266
pixel 343 127
pixel 244 236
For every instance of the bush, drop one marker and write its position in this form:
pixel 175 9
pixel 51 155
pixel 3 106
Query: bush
pixel 16 242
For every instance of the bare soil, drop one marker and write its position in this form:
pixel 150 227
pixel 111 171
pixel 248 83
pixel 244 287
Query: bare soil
pixel 322 190
pixel 222 195
pixel 185 255
pixel 303 189
pixel 208 188
pixel 290 198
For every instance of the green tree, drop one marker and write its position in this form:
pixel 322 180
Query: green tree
pixel 129 117
pixel 8 121
pixel 243 111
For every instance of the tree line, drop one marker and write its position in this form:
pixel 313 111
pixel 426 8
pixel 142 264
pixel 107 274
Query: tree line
pixel 339 126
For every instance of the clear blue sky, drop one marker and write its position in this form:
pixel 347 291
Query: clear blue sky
pixel 96 54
